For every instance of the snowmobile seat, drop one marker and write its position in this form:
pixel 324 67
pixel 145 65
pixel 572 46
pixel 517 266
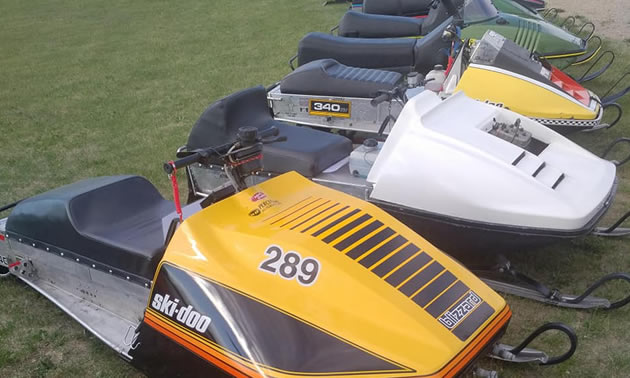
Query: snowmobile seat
pixel 363 25
pixel 397 7
pixel 395 54
pixel 113 221
pixel 391 24
pixel 327 77
pixel 305 151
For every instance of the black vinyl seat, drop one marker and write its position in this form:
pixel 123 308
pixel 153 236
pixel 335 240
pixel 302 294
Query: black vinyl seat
pixel 395 54
pixel 113 220
pixel 364 25
pixel 384 18
pixel 305 151
pixel 327 77
pixel 397 7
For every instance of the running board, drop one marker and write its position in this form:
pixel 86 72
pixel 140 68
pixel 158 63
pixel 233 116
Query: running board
pixel 108 327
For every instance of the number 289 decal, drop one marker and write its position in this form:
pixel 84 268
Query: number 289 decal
pixel 290 265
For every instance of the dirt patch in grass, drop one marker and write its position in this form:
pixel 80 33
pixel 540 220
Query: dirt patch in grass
pixel 611 17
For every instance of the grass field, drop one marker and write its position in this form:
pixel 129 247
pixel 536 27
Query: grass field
pixel 112 87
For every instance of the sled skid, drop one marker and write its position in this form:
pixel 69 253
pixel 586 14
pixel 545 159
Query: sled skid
pixel 588 56
pixel 522 354
pixel 530 288
pixel 588 76
pixel 611 98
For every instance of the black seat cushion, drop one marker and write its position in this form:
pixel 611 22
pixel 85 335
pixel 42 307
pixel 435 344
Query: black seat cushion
pixel 397 7
pixel 395 54
pixel 363 25
pixel 327 77
pixel 306 151
pixel 115 220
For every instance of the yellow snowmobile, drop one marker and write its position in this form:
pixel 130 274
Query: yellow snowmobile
pixel 282 279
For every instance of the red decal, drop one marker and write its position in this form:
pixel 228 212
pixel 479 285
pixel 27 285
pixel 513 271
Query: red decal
pixel 258 196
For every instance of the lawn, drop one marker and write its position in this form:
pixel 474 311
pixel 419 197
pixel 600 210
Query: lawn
pixel 112 87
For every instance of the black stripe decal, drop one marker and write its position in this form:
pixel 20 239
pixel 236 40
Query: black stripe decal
pixel 408 269
pixel 396 259
pixel 321 212
pixel 434 289
pixel 295 211
pixel 447 299
pixel 288 208
pixel 422 278
pixel 356 236
pixel 360 249
pixel 325 218
pixel 347 228
pixel 469 325
pixel 383 251
pixel 307 212
pixel 335 222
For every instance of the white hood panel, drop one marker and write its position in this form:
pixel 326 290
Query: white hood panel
pixel 441 158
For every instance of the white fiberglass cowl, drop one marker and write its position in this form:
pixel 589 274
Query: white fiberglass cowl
pixel 442 158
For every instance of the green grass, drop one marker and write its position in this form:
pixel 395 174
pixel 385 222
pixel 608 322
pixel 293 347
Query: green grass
pixel 112 87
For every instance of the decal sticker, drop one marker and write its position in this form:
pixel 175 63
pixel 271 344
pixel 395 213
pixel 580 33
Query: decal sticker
pixel 290 265
pixel 4 261
pixel 184 315
pixel 497 104
pixel 263 205
pixel 258 196
pixel 452 317
pixel 331 108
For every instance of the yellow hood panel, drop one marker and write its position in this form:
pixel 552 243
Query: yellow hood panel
pixel 521 96
pixel 379 285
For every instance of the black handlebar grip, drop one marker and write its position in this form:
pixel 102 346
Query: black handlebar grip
pixel 181 163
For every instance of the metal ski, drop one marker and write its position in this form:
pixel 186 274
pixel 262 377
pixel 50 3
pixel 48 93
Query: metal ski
pixel 588 56
pixel 588 76
pixel 608 98
pixel 522 354
pixel 530 288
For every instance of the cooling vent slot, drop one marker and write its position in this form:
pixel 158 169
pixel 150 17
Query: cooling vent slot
pixel 538 169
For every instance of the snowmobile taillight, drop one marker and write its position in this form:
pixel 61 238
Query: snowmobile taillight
pixel 1 237
pixel 573 88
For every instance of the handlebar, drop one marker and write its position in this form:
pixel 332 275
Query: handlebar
pixel 247 136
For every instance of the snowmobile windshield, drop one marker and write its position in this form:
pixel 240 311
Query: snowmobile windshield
pixel 479 10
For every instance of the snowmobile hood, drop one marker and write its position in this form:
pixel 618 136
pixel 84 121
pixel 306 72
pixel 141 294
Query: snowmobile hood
pixel 502 72
pixel 465 159
pixel 290 278
pixel 542 37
